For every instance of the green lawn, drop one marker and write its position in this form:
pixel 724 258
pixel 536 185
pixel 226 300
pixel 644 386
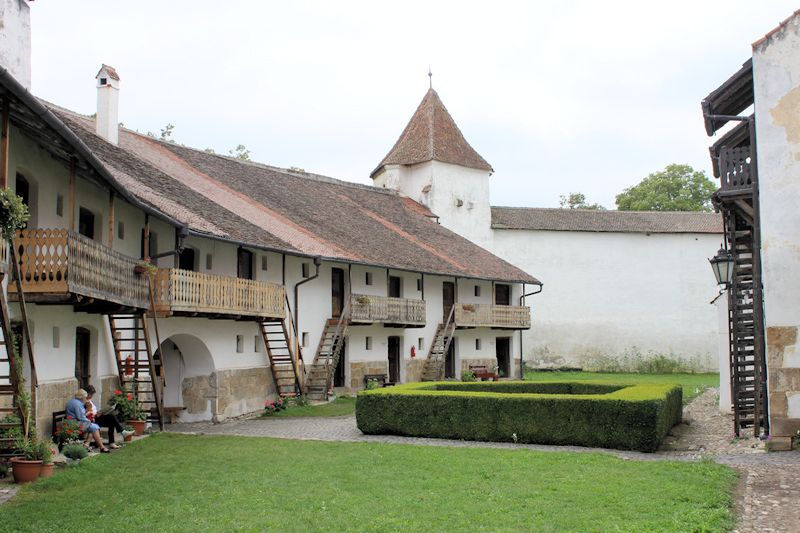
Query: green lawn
pixel 693 384
pixel 172 482
pixel 342 405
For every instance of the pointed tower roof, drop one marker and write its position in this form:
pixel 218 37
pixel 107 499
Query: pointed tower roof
pixel 432 135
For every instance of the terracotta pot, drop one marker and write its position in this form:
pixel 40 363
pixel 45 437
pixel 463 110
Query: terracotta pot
pixel 138 426
pixel 129 437
pixel 25 471
pixel 46 470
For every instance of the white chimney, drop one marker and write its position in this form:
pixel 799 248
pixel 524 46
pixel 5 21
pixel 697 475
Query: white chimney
pixel 107 120
pixel 15 40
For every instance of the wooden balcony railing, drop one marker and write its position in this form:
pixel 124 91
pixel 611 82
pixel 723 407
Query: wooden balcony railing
pixel 492 316
pixel 401 311
pixel 183 291
pixel 736 169
pixel 60 263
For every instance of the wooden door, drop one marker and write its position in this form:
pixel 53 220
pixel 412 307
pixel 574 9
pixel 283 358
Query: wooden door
pixel 338 373
pixel 503 350
pixel 337 292
pixel 395 287
pixel 502 294
pixel 86 222
pixel 394 359
pixel 186 260
pixel 244 268
pixel 448 298
pixel 82 343
pixel 450 361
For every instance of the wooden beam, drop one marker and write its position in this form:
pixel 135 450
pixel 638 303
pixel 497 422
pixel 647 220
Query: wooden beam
pixel 4 142
pixel 146 237
pixel 72 185
pixel 111 221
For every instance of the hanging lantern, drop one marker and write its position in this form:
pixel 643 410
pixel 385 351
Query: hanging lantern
pixel 722 265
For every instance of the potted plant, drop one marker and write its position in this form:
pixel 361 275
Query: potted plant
pixel 128 436
pixel 27 466
pixel 68 430
pixel 74 452
pixel 46 452
pixel 130 410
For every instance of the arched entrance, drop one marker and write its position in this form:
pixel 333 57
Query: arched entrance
pixel 190 381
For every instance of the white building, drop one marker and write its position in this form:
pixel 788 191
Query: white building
pixel 264 280
pixel 616 283
pixel 758 163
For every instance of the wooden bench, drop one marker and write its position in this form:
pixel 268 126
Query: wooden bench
pixel 377 378
pixel 482 372
pixel 171 413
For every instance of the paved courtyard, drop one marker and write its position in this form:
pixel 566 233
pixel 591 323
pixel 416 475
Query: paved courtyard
pixel 767 498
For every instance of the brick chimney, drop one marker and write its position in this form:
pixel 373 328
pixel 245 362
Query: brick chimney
pixel 107 120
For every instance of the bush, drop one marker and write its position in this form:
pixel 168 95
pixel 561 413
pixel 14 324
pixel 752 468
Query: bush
pixel 630 417
pixel 467 376
pixel 75 452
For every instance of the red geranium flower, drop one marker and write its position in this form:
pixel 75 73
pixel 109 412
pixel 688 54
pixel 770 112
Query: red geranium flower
pixel 130 397
pixel 117 392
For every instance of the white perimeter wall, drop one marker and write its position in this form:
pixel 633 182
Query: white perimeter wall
pixel 608 293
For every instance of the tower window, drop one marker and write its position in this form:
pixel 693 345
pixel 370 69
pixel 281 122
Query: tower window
pixel 103 81
pixel 368 278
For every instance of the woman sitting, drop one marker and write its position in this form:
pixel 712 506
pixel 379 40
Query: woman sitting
pixel 106 418
pixel 77 411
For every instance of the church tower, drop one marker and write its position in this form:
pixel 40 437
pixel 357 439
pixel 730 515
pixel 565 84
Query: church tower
pixel 434 164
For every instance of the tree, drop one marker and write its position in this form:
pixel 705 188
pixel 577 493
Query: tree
pixel 240 152
pixel 577 200
pixel 676 188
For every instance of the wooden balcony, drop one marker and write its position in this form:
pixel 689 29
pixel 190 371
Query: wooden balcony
pixel 492 316
pixel 737 170
pixel 397 312
pixel 59 266
pixel 187 293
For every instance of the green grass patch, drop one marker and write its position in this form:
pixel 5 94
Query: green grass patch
pixel 692 384
pixel 341 406
pixel 172 482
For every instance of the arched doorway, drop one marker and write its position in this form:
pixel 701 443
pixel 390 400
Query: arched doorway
pixel 189 378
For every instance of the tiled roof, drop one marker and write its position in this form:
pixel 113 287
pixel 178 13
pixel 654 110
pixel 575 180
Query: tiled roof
pixel 112 72
pixel 768 37
pixel 432 135
pixel 286 210
pixel 547 219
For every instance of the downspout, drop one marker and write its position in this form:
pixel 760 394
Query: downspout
pixel 521 303
pixel 317 264
pixel 181 234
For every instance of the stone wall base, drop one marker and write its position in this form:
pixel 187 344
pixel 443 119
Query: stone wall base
pixel 243 390
pixel 52 396
pixel 361 368
pixel 414 368
pixel 783 368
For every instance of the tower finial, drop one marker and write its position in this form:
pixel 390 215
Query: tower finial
pixel 430 77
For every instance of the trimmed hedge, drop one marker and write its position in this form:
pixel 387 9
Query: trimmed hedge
pixel 585 413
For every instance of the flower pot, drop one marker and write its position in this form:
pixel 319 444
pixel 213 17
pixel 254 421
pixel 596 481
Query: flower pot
pixel 138 426
pixel 46 470
pixel 129 437
pixel 25 471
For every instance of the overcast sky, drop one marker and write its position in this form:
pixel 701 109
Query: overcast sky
pixel 557 96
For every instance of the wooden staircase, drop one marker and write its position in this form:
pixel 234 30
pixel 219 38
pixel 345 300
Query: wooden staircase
pixel 329 351
pixel 285 354
pixel 434 364
pixel 12 382
pixel 135 362
pixel 748 366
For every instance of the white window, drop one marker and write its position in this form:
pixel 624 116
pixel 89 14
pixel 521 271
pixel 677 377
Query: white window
pixel 368 278
pixel 478 345
pixel 368 343
pixel 304 270
pixel 209 261
pixel 258 344
pixel 421 343
pixel 239 343
pixel 305 339
pixel 477 290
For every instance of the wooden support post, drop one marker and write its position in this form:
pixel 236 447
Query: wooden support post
pixel 111 221
pixel 72 185
pixel 146 240
pixel 4 145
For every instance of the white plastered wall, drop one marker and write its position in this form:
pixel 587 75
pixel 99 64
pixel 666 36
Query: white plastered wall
pixel 612 293
pixel 776 72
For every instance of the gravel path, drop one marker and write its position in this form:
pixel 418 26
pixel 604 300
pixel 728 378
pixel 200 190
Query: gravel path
pixel 767 498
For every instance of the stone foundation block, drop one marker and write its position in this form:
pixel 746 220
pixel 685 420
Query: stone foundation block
pixel 359 369
pixel 780 444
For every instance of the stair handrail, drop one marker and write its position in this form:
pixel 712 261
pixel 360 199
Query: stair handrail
pixel 338 334
pixel 448 330
pixel 161 378
pixel 295 350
